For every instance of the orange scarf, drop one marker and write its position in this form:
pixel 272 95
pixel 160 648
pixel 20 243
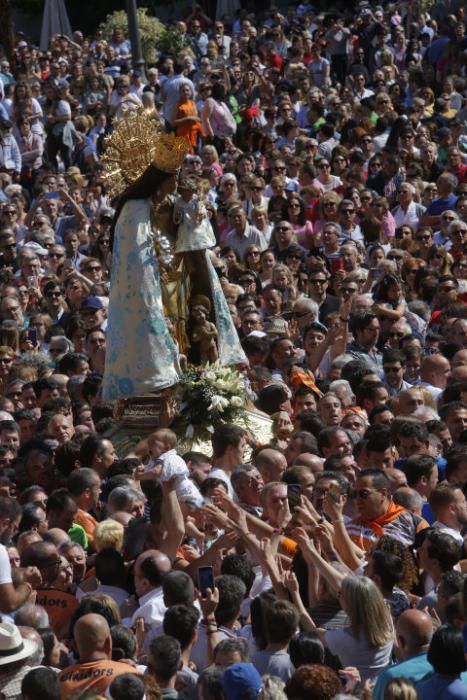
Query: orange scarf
pixel 378 524
pixel 299 377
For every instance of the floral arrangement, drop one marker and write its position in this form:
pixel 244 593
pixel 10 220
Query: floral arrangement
pixel 208 396
pixel 150 28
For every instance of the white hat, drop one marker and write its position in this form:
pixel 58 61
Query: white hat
pixel 12 645
pixel 36 248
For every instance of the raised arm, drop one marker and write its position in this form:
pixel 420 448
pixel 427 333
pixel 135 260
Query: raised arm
pixel 172 520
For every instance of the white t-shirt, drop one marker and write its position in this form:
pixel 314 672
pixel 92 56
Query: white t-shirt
pixel 218 473
pixel 352 652
pixel 5 567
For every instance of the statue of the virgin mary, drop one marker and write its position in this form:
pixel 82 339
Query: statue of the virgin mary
pixel 150 289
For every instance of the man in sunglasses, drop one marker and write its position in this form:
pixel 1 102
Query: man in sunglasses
pixel 378 515
pixel 8 252
pixel 318 282
pixel 393 372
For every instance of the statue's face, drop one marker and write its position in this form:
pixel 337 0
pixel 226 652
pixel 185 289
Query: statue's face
pixel 198 315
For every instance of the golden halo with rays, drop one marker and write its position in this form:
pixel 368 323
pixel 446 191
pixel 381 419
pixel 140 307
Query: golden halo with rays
pixel 136 142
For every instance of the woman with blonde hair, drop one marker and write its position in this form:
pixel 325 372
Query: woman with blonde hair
pixel 327 210
pixel 186 119
pixel 108 534
pixel 400 689
pixel 252 258
pixel 367 641
pixel 260 219
pixel 9 337
pixel 380 209
pixel 439 258
pixel 283 280
pixel 7 357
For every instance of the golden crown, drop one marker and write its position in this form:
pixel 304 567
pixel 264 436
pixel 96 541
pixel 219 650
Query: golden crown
pixel 136 142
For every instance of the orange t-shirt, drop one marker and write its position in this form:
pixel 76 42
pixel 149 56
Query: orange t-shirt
pixel 60 607
pixel 90 675
pixel 87 522
pixel 288 547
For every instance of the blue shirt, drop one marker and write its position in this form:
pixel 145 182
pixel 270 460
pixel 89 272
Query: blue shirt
pixel 437 687
pixel 437 206
pixel 427 513
pixel 414 668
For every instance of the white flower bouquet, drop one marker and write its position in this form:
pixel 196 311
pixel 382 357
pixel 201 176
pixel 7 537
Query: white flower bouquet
pixel 208 396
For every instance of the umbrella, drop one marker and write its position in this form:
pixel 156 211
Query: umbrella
pixel 54 21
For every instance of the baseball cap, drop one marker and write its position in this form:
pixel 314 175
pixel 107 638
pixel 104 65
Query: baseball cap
pixel 91 302
pixel 62 84
pixel 241 682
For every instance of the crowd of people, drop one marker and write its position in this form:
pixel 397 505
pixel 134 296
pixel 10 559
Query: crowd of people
pixel 330 151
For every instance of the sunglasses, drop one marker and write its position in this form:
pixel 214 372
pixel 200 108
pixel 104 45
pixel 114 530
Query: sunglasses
pixel 364 493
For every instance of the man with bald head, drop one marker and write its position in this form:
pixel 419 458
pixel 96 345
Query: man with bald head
pixel 434 371
pixel 409 401
pixel 459 373
pixel 271 464
pixel 150 567
pixel 314 463
pixel 304 312
pixel 414 630
pixel 95 669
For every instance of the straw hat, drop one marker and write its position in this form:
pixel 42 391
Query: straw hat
pixel 12 645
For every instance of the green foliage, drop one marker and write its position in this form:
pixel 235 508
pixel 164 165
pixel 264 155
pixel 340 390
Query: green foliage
pixel 172 41
pixel 151 30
